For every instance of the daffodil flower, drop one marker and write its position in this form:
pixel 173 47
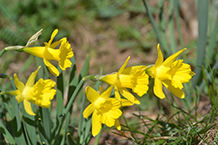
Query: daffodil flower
pixel 133 78
pixel 41 93
pixel 48 52
pixel 104 110
pixel 171 73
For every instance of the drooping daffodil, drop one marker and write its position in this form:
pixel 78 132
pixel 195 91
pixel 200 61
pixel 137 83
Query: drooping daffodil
pixel 133 78
pixel 171 73
pixel 49 53
pixel 104 110
pixel 41 93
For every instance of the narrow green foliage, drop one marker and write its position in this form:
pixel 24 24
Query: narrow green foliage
pixel 162 42
pixel 202 39
pixel 172 27
pixel 6 134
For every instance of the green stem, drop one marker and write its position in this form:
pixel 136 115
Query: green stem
pixel 91 77
pixel 2 52
pixel 82 81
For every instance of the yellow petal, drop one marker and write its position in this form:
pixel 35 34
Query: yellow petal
pixel 91 94
pixel 160 58
pixel 19 97
pixel 132 69
pixel 123 66
pixel 129 96
pixel 106 94
pixel 32 77
pixel 100 90
pixel 117 124
pixel 176 91
pixel 125 102
pixel 51 68
pixel 88 111
pixel 18 83
pixel 172 58
pixel 54 33
pixel 96 124
pixel 28 108
pixel 158 89
pixel 55 44
pixel 117 94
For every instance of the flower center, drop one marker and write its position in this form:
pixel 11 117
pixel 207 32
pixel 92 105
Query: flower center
pixel 28 92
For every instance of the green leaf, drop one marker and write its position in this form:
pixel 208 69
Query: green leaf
pixel 6 134
pixel 46 122
pixel 17 129
pixel 70 141
pixel 29 127
pixel 202 39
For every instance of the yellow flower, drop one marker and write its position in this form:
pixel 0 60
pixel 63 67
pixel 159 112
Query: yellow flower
pixel 48 52
pixel 133 78
pixel 105 110
pixel 40 94
pixel 171 73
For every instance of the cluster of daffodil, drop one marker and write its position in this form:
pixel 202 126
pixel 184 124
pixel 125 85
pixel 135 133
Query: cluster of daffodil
pixel 125 83
pixel 171 73
pixel 42 92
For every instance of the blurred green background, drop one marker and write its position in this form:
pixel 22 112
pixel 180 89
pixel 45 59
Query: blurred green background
pixel 108 31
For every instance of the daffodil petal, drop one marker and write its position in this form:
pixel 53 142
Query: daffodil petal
pixel 100 90
pixel 123 66
pixel 51 68
pixel 117 124
pixel 172 58
pixel 19 98
pixel 125 102
pixel 160 58
pixel 129 96
pixel 96 124
pixel 28 108
pixel 91 94
pixel 32 77
pixel 106 94
pixel 132 69
pixel 18 83
pixel 88 111
pixel 54 33
pixel 176 91
pixel 117 94
pixel 55 44
pixel 158 89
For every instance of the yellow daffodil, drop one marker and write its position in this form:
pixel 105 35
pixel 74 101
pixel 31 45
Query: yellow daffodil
pixel 105 110
pixel 171 73
pixel 48 52
pixel 133 78
pixel 40 94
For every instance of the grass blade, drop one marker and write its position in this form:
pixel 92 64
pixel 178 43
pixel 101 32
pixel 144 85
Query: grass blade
pixel 162 43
